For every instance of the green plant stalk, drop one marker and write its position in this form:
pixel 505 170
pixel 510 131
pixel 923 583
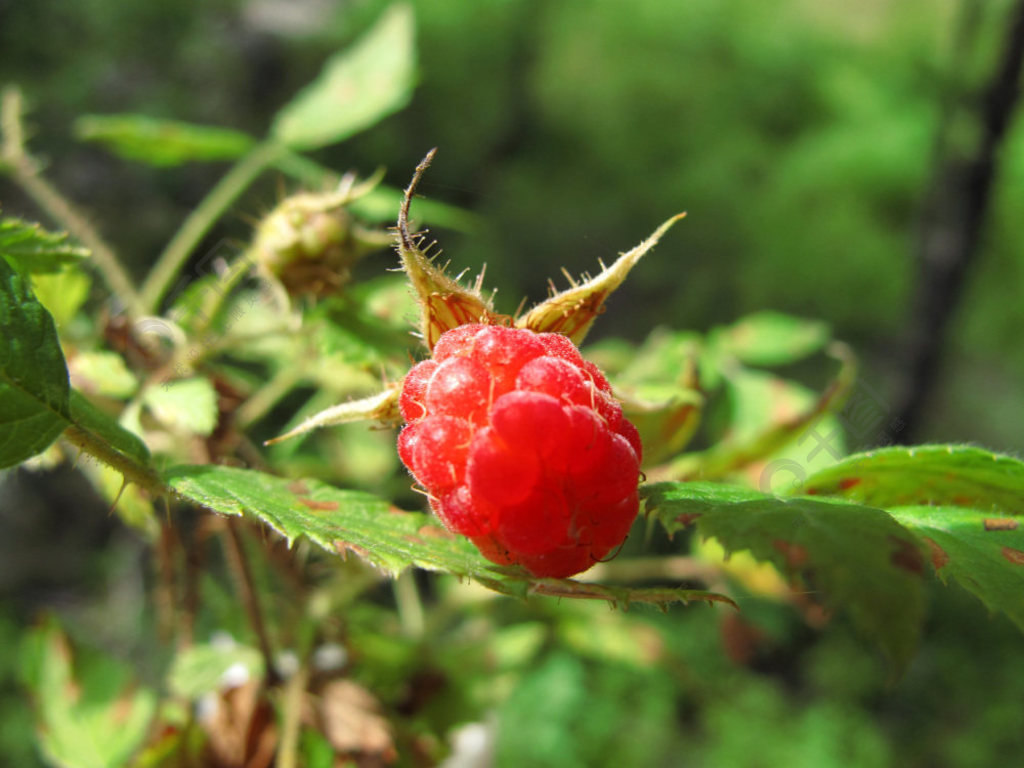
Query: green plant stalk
pixel 214 301
pixel 132 470
pixel 199 222
pixel 26 174
pixel 261 401
pixel 291 718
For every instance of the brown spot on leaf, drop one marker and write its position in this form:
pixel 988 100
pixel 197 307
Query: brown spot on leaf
pixel 434 532
pixel 848 482
pixel 1001 524
pixel 812 491
pixel 1015 556
pixel 795 554
pixel 687 518
pixel 344 547
pixel 907 556
pixel 319 506
pixel 938 554
pixel 299 488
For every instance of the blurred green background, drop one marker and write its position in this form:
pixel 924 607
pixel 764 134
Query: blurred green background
pixel 803 140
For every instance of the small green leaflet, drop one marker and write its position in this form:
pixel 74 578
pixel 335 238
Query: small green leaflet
pixel 772 338
pixel 343 521
pixel 162 142
pixel 957 475
pixel 32 249
pixel 91 714
pixel 201 669
pixel 858 557
pixel 34 388
pixel 357 88
pixel 189 405
pixel 984 554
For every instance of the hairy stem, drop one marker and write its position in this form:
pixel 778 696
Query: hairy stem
pixel 132 470
pixel 25 172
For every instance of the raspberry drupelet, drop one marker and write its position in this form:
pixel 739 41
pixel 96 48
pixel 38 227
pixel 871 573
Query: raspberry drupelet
pixel 521 447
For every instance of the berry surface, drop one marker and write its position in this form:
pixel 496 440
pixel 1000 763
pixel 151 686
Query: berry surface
pixel 522 448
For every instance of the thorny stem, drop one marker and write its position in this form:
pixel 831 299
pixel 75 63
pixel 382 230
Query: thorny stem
pixel 239 564
pixel 201 219
pixel 132 470
pixel 26 173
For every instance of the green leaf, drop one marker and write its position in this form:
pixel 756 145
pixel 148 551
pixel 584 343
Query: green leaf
pixel 984 554
pixel 343 521
pixel 357 87
pixel 162 142
pixel 858 557
pixel 94 716
pixel 32 249
pixel 957 475
pixel 102 372
pixel 772 338
pixel 62 293
pixel 189 405
pixel 201 669
pixel 34 386
pixel 91 419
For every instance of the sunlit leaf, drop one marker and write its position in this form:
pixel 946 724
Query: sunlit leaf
pixel 32 249
pixel 162 142
pixel 345 521
pixel 102 372
pixel 984 554
pixel 357 87
pixel 858 558
pixel 201 669
pixel 772 338
pixel 189 405
pixel 62 293
pixel 956 475
pixel 91 714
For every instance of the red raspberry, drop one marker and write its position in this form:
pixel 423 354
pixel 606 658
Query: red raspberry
pixel 521 447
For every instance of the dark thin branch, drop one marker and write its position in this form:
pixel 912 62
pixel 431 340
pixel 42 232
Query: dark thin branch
pixel 239 565
pixel 952 223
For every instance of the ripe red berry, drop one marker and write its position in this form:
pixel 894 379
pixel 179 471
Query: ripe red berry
pixel 521 447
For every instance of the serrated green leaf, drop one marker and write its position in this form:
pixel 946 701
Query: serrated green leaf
pixel 357 87
pixel 162 142
pixel 34 386
pixel 102 372
pixel 984 554
pixel 772 338
pixel 343 521
pixel 201 669
pixel 90 716
pixel 91 419
pixel 957 475
pixel 33 249
pixel 859 557
pixel 189 405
